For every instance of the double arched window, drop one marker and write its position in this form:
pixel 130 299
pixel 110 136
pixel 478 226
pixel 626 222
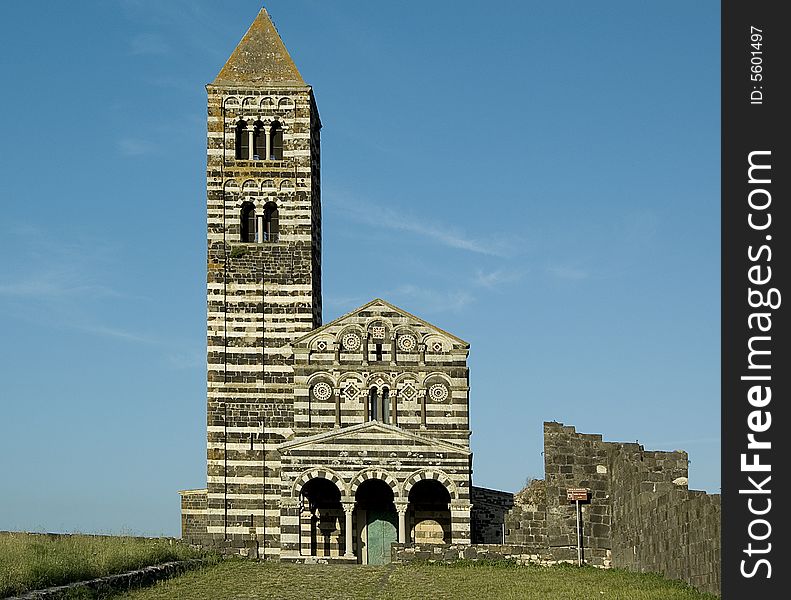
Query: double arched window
pixel 259 141
pixel 258 226
pixel 379 405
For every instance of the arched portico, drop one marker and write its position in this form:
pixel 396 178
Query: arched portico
pixel 322 524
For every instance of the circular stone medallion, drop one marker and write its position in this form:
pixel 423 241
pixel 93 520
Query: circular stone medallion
pixel 406 343
pixel 351 341
pixel 438 392
pixel 322 391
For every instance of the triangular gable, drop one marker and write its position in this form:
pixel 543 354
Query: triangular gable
pixel 356 430
pixel 340 322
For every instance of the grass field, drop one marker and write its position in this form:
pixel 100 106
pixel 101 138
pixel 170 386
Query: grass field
pixel 242 580
pixel 33 561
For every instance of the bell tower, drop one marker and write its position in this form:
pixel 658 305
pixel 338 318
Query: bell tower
pixel 264 277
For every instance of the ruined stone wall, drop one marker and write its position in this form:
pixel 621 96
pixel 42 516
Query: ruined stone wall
pixel 526 522
pixel 659 525
pixel 572 460
pixel 640 516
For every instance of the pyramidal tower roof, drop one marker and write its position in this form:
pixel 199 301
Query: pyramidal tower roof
pixel 260 59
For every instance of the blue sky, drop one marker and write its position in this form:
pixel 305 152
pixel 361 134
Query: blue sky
pixel 539 178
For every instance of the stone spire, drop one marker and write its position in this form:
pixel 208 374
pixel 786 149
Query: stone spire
pixel 260 59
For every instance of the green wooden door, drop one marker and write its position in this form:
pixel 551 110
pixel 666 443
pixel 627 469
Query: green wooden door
pixel 381 533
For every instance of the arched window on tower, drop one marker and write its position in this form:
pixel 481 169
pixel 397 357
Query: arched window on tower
pixel 276 135
pixel 248 223
pixel 259 141
pixel 271 223
pixel 242 141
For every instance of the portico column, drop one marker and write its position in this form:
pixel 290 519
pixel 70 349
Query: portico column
pixel 401 508
pixel 268 136
pixel 348 509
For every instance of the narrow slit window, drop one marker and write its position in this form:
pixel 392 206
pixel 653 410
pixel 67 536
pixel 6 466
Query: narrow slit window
pixel 242 141
pixel 276 134
pixel 271 231
pixel 248 223
pixel 373 403
pixel 385 405
pixel 259 141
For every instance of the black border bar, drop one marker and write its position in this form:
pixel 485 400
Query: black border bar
pixel 756 226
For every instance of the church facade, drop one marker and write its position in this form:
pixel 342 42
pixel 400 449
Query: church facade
pixel 323 440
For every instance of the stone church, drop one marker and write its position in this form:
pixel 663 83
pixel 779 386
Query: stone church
pixel 349 441
pixel 324 440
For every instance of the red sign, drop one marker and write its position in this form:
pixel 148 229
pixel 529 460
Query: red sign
pixel 574 494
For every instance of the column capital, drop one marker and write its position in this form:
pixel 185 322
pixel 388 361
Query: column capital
pixel 348 507
pixel 402 507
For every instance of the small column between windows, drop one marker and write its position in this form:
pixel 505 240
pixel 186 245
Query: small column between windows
pixel 251 143
pixel 259 232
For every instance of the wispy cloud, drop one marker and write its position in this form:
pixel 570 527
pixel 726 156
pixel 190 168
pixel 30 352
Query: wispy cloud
pixel 368 213
pixel 427 300
pixel 136 147
pixel 116 333
pixel 496 278
pixel 54 283
pixel 148 44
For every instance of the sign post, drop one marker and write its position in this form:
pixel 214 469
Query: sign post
pixel 578 495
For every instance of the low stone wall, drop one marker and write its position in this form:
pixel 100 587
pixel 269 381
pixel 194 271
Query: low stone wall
pixel 113 584
pixel 448 553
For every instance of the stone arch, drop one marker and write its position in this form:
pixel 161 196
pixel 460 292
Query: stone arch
pixel 249 101
pixel 319 472
pixel 371 380
pixel 250 186
pixel 431 473
pixel 432 339
pixel 375 473
pixel 231 102
pixel 406 377
pixel 231 185
pixel 285 101
pixel 266 102
pixel 268 185
pixel 286 184
pixel 322 376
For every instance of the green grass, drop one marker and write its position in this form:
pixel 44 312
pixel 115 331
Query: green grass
pixel 29 561
pixel 246 580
